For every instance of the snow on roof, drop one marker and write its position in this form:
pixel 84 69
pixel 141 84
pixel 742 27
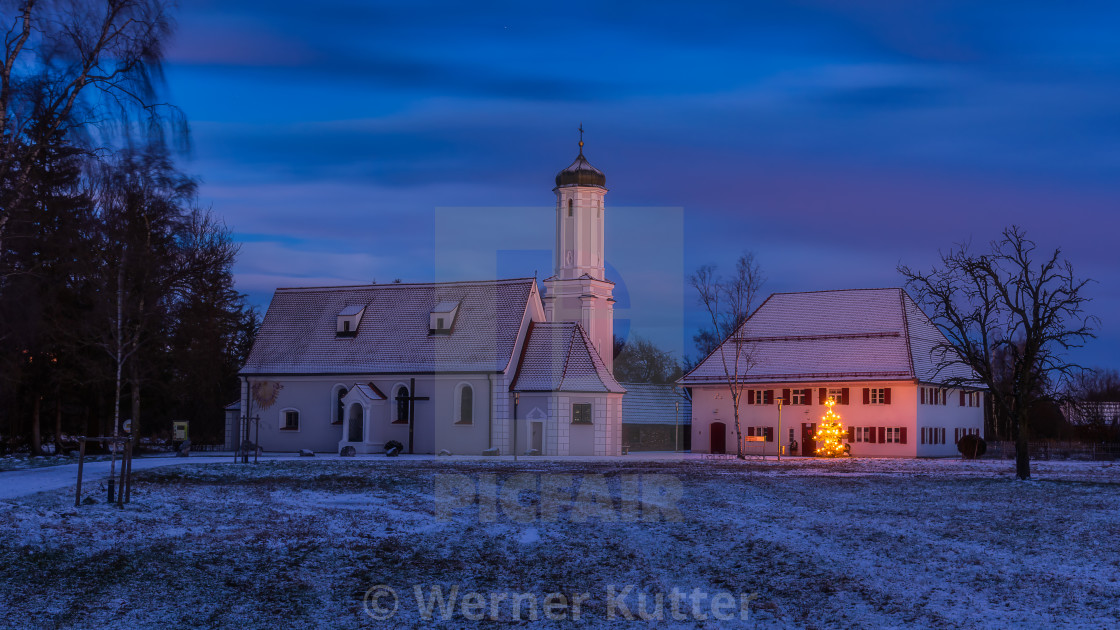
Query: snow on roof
pixel 370 391
pixel 298 334
pixel 445 307
pixel 558 357
pixel 844 335
pixel 649 403
pixel 353 309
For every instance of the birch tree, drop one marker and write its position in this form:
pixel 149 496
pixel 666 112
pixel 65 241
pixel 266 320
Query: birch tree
pixel 728 302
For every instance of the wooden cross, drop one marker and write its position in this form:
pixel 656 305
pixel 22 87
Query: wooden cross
pixel 412 398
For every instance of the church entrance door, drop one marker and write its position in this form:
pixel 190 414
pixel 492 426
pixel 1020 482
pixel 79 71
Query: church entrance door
pixel 357 420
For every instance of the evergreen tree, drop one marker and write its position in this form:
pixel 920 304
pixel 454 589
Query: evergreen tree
pixel 830 434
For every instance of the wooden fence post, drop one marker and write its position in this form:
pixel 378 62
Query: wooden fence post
pixel 81 462
pixel 120 485
pixel 128 475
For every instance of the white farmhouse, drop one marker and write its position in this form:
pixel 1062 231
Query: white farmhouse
pixel 871 350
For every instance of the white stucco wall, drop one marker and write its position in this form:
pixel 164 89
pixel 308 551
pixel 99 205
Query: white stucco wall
pixel 949 416
pixel 713 404
pixel 561 437
pixel 434 426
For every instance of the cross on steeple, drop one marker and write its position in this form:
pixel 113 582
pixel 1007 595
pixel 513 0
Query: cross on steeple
pixel 581 138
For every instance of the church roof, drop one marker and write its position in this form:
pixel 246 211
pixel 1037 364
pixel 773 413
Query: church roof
pixel 298 334
pixel 650 403
pixel 845 335
pixel 558 357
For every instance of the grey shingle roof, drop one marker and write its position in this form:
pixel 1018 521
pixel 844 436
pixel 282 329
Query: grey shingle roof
pixel 558 357
pixel 297 335
pixel 855 334
pixel 649 403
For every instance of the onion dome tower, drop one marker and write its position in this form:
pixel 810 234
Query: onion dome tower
pixel 578 290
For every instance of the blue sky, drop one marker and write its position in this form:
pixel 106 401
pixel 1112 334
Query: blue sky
pixel 349 141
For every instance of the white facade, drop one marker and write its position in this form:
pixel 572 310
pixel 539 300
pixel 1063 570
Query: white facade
pixel 900 421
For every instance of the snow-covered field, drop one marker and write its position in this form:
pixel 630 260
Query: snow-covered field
pixel 798 544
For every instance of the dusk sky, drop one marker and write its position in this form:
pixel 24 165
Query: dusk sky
pixel 344 142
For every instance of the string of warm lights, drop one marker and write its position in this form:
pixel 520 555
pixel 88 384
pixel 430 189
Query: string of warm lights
pixel 830 434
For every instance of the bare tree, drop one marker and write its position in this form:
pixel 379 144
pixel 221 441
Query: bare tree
pixel 73 66
pixel 1008 316
pixel 728 302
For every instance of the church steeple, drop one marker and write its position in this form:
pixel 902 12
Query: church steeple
pixel 579 291
pixel 579 218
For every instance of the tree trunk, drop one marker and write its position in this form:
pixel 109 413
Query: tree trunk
pixel 738 429
pixel 36 438
pixel 58 422
pixel 134 388
pixel 120 362
pixel 1022 450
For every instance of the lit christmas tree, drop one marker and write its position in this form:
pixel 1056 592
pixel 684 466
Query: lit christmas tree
pixel 830 434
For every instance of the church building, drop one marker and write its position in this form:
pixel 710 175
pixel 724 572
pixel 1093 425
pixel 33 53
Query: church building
pixel 465 367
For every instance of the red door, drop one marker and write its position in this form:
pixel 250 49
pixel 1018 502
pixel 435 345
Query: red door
pixel 719 437
pixel 808 444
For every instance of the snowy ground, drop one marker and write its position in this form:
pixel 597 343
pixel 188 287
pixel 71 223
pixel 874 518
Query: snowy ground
pixel 799 544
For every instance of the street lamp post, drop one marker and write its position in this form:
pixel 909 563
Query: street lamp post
pixel 780 401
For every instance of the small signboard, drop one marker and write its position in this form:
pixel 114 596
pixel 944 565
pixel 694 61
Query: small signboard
pixel 755 438
pixel 127 426
pixel 180 429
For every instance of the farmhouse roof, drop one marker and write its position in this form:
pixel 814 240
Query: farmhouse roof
pixel 844 335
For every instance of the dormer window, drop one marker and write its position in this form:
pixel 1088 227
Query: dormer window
pixel 442 318
pixel 348 320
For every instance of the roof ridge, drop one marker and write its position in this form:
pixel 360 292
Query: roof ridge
pixel 597 361
pixel 837 290
pixel 902 297
pixel 403 285
pixel 521 358
pixel 568 356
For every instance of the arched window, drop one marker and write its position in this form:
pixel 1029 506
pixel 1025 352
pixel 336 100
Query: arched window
pixel 402 405
pixel 570 204
pixel 466 405
pixel 339 411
